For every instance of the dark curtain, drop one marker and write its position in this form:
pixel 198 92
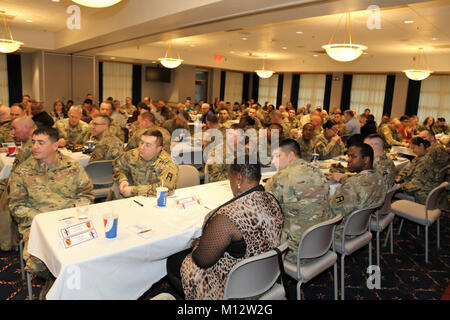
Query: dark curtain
pixel 327 95
pixel 295 85
pixel 255 88
pixel 14 78
pixel 412 98
pixel 223 76
pixel 280 89
pixel 100 81
pixel 136 86
pixel 389 95
pixel 346 92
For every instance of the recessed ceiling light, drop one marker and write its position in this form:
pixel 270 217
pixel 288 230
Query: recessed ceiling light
pixel 365 53
pixel 29 20
pixel 284 48
pixel 434 39
pixel 299 32
pixel 315 55
pixel 408 21
pixel 231 51
pixel 55 0
pixel 114 58
pixel 154 62
pixel 243 38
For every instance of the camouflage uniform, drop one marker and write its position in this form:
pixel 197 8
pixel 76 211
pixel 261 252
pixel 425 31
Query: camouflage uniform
pixel 145 176
pixel 36 187
pixel 292 124
pixel 227 124
pixel 114 128
pixel 302 191
pixel 328 149
pixel 263 117
pixel 171 125
pixel 78 134
pixel 130 109
pixel 306 149
pixel 108 148
pixel 418 179
pixel 385 167
pixel 438 155
pixel 440 129
pixel 133 128
pixel 5 132
pixel 361 191
pixel 343 131
pixel 134 140
pixel 392 137
pixel 24 153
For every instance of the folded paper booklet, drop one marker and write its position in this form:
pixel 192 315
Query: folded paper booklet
pixel 141 230
pixel 78 233
pixel 184 203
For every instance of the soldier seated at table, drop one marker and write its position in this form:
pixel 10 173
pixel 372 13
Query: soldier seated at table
pixel 302 191
pixel 363 190
pixel 47 181
pixel 107 145
pixel 329 144
pixel 419 178
pixel 179 122
pixel 146 121
pixel 306 142
pixel 382 163
pixel 140 171
pixel 73 129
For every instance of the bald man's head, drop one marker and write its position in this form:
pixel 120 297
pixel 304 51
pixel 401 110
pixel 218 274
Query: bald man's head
pixel 22 128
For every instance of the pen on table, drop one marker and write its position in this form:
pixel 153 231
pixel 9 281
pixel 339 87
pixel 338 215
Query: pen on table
pixel 144 231
pixel 138 203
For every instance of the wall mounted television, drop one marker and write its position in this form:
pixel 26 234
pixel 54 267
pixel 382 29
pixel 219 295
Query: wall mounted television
pixel 158 74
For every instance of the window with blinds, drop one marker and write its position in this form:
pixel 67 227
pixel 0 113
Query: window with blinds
pixel 4 93
pixel 233 87
pixel 117 80
pixel 311 90
pixel 434 98
pixel 368 91
pixel 268 90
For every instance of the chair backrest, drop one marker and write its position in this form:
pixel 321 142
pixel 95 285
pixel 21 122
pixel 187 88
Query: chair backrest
pixel 386 207
pixel 100 172
pixel 443 173
pixel 317 240
pixel 358 221
pixel 253 276
pixel 432 202
pixel 187 176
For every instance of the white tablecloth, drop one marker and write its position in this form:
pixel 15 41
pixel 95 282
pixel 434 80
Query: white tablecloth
pixel 6 163
pixel 126 267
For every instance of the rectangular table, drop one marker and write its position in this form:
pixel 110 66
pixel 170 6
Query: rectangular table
pixel 6 162
pixel 126 267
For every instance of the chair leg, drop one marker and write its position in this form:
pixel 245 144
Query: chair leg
pixel 370 253
pixel 342 277
pixel 335 281
pixel 299 290
pixel 418 230
pixel 426 244
pixel 387 237
pixel 30 288
pixel 22 267
pixel 378 248
pixel 400 228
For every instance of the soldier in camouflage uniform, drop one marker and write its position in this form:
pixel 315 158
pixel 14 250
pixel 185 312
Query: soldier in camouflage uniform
pixel 382 163
pixel 390 133
pixel 128 106
pixel 146 121
pixel 73 129
pixel 419 178
pixel 5 125
pixel 342 128
pixel 276 117
pixel 107 146
pixel 180 122
pixel 436 151
pixel 307 142
pixel 140 171
pixel 302 191
pixel 225 118
pixel 329 144
pixel 115 128
pixel 440 127
pixel 366 189
pixel 22 129
pixel 292 124
pixel 48 181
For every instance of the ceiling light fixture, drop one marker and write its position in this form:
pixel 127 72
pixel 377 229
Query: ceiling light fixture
pixel 97 3
pixel 344 52
pixel 170 62
pixel 7 43
pixel 419 70
pixel 408 21
pixel 263 73
pixel 299 32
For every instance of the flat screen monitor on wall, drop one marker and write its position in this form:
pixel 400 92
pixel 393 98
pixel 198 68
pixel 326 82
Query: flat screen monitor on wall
pixel 157 74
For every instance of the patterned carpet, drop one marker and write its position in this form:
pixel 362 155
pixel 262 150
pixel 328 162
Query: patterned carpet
pixel 404 274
